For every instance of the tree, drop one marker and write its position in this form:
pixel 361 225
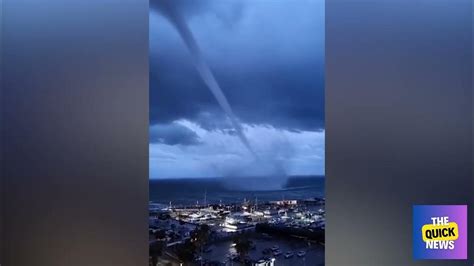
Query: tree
pixel 160 234
pixel 155 250
pixel 186 252
pixel 242 246
pixel 200 236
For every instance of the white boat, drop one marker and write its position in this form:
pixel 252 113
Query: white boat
pixel 265 262
pixel 301 253
pixel 277 253
pixel 289 254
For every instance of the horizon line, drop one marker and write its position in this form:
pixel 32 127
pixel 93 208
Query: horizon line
pixel 215 177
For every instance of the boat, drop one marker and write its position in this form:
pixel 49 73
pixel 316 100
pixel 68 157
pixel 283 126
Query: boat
pixel 265 262
pixel 301 253
pixel 275 248
pixel 277 253
pixel 289 254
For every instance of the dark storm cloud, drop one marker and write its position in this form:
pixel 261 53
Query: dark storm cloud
pixel 227 11
pixel 266 56
pixel 173 134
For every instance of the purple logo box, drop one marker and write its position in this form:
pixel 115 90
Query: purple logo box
pixel 440 232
